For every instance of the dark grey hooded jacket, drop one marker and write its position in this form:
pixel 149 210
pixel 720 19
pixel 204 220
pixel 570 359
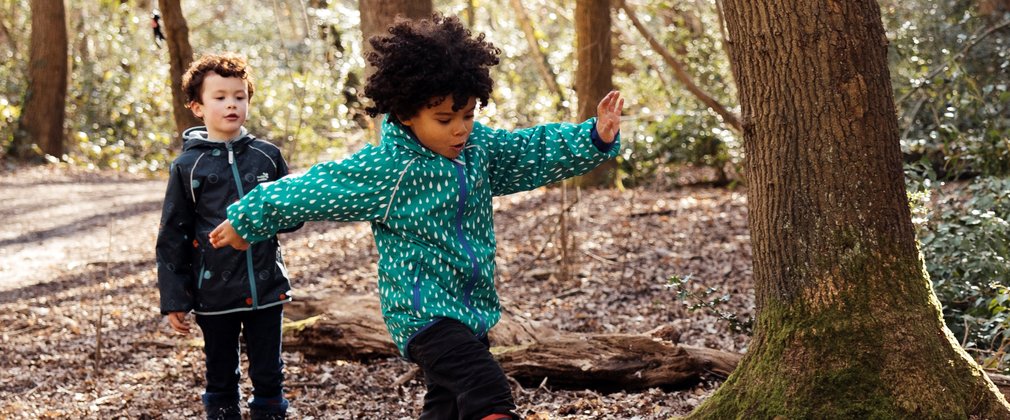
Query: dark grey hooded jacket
pixel 203 181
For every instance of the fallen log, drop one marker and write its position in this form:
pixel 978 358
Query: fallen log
pixel 350 327
pixel 609 362
pixel 337 327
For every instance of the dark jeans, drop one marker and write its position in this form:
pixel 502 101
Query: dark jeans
pixel 262 332
pixel 464 381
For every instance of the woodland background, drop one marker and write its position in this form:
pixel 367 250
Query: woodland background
pixel 680 227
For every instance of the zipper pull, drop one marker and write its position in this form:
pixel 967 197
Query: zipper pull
pixel 231 155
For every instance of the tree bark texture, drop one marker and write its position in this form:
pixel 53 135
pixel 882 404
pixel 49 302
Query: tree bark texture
pixel 847 323
pixel 180 55
pixel 41 121
pixel 594 72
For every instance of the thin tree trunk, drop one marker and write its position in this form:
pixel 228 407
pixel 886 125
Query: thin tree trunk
pixel 180 55
pixel 594 74
pixel 5 37
pixel 471 14
pixel 41 121
pixel 847 324
pixel 543 65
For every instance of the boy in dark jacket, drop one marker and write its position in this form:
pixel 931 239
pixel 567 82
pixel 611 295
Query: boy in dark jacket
pixel 426 189
pixel 230 291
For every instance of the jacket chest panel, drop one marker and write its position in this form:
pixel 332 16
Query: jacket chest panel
pixel 212 178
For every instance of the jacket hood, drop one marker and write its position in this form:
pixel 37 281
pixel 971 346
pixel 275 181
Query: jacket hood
pixel 197 137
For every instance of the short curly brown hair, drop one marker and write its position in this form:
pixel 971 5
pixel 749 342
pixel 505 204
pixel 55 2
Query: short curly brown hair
pixel 423 59
pixel 225 65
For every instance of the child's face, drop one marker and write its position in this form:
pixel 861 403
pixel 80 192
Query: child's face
pixel 225 105
pixel 441 129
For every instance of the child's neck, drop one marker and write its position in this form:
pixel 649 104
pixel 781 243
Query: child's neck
pixel 241 133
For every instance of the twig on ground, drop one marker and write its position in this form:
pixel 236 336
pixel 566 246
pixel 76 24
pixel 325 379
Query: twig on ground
pixel 652 213
pixel 598 258
pixel 516 385
pixel 568 293
pixel 308 384
pixel 406 377
pixel 543 385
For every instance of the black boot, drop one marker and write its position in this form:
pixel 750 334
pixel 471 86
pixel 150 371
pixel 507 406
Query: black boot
pixel 275 408
pixel 222 406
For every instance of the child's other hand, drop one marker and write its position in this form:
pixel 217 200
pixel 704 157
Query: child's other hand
pixel 178 322
pixel 608 116
pixel 224 235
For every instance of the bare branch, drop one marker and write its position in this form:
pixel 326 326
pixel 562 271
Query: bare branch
pixel 975 40
pixel 679 71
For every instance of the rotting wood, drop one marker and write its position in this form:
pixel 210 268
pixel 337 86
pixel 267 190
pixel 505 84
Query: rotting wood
pixel 350 327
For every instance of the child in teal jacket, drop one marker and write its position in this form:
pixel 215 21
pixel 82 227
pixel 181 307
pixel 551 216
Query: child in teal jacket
pixel 426 190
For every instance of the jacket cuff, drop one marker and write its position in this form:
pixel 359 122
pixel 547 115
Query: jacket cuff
pixel 601 145
pixel 240 222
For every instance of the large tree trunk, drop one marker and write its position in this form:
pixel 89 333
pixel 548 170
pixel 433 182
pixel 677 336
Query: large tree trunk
pixel 847 323
pixel 594 72
pixel 180 55
pixel 41 121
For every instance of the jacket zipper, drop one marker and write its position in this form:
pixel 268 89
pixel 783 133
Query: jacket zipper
pixel 248 252
pixel 474 271
pixel 417 289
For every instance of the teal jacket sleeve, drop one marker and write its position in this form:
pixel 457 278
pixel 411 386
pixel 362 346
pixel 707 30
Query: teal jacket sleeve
pixel 355 189
pixel 536 156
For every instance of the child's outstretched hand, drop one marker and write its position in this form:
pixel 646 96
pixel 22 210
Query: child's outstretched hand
pixel 224 235
pixel 608 116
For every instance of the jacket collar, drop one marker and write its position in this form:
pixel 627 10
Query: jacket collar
pixel 197 137
pixel 399 135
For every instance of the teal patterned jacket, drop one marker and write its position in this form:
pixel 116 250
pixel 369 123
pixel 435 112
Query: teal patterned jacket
pixel 430 215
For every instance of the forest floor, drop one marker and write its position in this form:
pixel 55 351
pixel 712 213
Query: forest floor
pixel 82 336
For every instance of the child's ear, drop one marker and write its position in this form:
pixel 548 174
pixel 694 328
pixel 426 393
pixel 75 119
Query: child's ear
pixel 405 121
pixel 196 108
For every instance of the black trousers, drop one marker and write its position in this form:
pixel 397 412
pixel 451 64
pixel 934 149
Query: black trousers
pixel 463 379
pixel 262 332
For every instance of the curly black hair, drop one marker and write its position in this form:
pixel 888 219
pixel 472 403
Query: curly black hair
pixel 424 59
